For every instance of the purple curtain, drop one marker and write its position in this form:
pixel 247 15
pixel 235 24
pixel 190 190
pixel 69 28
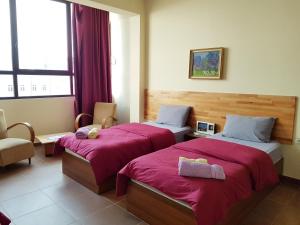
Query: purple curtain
pixel 92 71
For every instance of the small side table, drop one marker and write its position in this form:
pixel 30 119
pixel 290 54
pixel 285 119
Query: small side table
pixel 49 141
pixel 193 135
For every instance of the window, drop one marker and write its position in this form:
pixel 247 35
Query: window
pixel 6 81
pixel 35 48
pixel 5 38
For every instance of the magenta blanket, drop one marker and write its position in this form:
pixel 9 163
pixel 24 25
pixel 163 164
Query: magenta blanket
pixel 247 169
pixel 118 145
pixel 4 220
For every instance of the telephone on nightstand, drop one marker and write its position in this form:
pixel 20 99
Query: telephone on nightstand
pixel 205 128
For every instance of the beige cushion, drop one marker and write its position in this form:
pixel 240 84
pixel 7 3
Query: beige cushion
pixel 3 126
pixel 103 110
pixel 14 149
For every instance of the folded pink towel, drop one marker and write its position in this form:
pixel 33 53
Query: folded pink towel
pixel 4 220
pixel 192 169
pixel 82 133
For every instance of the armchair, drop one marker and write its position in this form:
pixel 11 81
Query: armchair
pixel 104 116
pixel 13 150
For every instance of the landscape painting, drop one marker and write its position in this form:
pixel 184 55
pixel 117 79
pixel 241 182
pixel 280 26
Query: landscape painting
pixel 206 63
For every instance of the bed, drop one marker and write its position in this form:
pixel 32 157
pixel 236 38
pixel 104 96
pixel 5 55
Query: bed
pixel 95 162
pixel 152 204
pixel 157 172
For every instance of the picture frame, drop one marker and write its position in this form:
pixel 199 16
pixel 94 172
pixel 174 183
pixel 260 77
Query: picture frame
pixel 206 128
pixel 206 63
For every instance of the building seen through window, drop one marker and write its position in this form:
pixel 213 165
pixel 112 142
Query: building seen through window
pixel 39 62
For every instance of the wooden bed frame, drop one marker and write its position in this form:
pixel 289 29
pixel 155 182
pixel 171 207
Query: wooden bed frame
pixel 156 209
pixel 211 107
pixel 81 171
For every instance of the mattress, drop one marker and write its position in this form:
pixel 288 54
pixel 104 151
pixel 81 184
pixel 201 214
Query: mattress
pixel 179 132
pixel 272 148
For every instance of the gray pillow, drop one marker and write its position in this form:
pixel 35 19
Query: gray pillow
pixel 249 128
pixel 175 115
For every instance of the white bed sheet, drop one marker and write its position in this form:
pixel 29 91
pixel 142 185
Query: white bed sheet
pixel 179 132
pixel 272 148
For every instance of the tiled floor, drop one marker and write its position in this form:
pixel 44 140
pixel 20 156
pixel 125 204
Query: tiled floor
pixel 41 195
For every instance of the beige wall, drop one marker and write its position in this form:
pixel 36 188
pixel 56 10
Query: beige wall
pixel 262 42
pixel 46 115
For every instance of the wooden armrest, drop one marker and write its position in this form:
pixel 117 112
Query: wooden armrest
pixel 31 130
pixel 104 121
pixel 77 120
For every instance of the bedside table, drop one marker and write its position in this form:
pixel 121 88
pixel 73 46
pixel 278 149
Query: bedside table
pixel 49 141
pixel 193 135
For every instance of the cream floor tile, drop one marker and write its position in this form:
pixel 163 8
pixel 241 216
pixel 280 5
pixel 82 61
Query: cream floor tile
pixel 16 188
pixel 84 204
pixel 111 195
pixel 76 223
pixel 143 223
pixel 15 170
pixel 70 198
pixel 2 209
pixel 11 188
pixel 52 215
pixel 66 190
pixel 112 215
pixel 47 180
pixel 122 203
pixel 25 204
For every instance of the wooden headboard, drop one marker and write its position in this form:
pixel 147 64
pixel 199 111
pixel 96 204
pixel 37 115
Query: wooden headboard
pixel 213 107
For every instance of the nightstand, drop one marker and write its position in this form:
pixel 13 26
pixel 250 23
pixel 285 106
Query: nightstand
pixel 193 135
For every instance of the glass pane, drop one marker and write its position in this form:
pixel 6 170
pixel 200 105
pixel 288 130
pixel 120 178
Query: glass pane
pixel 42 35
pixel 6 86
pixel 41 85
pixel 5 37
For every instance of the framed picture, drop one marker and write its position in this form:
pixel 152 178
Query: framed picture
pixel 206 63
